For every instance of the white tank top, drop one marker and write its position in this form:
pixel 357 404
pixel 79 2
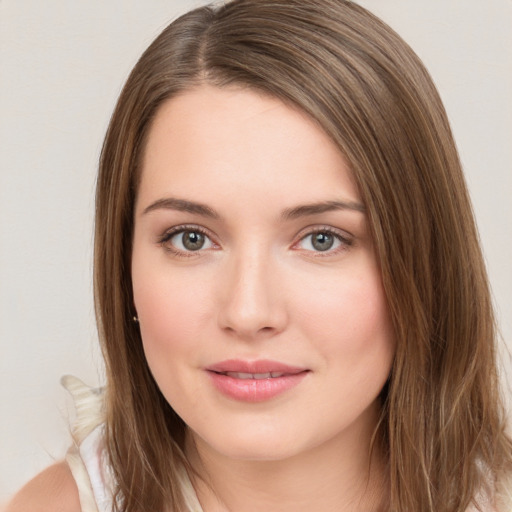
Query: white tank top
pixel 87 457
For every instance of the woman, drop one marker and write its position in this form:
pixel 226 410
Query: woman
pixel 290 293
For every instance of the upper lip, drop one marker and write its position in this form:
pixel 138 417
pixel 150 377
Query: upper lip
pixel 255 367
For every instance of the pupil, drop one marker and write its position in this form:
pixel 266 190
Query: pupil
pixel 192 240
pixel 323 241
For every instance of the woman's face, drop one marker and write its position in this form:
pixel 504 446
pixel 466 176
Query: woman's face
pixel 255 281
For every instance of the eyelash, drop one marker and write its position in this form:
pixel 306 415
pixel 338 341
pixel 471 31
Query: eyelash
pixel 345 241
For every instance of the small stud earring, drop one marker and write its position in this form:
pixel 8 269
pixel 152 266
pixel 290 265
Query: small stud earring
pixel 136 319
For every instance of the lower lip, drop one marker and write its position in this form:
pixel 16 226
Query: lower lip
pixel 255 390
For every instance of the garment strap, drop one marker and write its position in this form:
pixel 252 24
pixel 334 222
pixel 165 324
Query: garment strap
pixel 85 457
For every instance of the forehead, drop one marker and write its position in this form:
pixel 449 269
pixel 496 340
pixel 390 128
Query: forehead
pixel 238 141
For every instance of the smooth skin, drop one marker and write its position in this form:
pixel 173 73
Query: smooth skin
pixel 251 243
pixel 53 490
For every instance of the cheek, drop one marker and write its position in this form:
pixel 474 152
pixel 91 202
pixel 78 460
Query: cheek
pixel 349 319
pixel 170 323
pixel 172 310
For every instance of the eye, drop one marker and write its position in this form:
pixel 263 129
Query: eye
pixel 324 240
pixel 186 240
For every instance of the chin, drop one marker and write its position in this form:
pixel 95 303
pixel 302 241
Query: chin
pixel 258 452
pixel 261 445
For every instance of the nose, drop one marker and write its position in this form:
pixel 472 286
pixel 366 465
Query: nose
pixel 252 301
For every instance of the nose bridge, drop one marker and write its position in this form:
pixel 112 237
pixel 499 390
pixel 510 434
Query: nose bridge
pixel 252 300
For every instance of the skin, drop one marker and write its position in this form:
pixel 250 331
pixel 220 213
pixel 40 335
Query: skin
pixel 53 490
pixel 260 289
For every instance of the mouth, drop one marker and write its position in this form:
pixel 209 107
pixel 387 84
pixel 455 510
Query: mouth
pixel 257 376
pixel 254 381
pixel 259 369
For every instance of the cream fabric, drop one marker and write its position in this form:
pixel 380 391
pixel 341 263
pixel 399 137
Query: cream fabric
pixel 87 458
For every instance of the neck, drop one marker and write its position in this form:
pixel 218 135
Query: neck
pixel 340 475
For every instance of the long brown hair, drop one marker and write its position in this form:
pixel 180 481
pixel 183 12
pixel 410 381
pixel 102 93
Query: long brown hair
pixel 442 424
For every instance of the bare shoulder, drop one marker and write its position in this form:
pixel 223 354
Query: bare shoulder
pixel 53 490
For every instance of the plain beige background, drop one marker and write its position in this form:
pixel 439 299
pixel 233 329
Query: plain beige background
pixel 62 64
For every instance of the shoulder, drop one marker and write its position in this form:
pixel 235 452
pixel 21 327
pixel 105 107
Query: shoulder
pixel 53 490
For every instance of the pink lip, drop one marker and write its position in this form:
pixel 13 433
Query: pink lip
pixel 250 389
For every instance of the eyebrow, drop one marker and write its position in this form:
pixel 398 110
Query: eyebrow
pixel 322 207
pixel 182 205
